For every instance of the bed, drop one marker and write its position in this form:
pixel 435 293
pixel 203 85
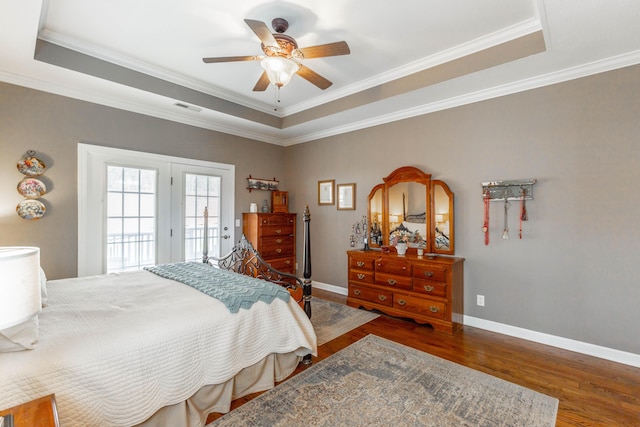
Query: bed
pixel 137 348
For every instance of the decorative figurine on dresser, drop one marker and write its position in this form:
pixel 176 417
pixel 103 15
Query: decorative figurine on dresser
pixel 425 284
pixel 273 234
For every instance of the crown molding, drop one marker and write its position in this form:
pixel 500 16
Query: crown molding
pixel 473 46
pixel 609 64
pixel 145 68
pixel 141 108
pixel 585 70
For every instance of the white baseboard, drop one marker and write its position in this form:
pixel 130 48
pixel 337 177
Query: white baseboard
pixel 331 288
pixel 538 337
pixel 555 341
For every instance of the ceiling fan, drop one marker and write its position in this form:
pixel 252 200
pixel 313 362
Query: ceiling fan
pixel 282 57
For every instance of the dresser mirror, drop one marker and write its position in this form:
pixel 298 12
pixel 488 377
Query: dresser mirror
pixel 443 217
pixel 409 207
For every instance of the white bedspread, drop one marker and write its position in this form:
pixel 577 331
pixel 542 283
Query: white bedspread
pixel 116 348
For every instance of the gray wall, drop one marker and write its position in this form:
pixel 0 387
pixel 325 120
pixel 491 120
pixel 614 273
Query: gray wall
pixel 53 125
pixel 573 275
pixel 575 272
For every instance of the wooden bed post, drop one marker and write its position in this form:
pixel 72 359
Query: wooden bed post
pixel 306 262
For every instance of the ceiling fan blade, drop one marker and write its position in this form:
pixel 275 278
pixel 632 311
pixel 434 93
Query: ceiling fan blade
pixel 313 77
pixel 329 49
pixel 262 84
pixel 263 32
pixel 230 59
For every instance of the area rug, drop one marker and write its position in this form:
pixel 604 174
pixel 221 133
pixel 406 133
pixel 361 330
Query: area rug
pixel 330 319
pixel 376 382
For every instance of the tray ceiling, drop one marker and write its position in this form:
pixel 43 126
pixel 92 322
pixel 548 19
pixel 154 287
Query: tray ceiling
pixel 421 56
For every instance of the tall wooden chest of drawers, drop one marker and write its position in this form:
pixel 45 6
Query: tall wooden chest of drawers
pixel 273 235
pixel 425 289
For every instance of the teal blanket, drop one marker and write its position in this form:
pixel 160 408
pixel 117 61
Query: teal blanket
pixel 234 290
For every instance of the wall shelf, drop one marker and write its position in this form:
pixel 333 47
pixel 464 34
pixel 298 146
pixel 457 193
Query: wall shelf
pixel 262 184
pixel 515 189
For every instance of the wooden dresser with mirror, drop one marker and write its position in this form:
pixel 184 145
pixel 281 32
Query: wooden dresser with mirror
pixel 425 284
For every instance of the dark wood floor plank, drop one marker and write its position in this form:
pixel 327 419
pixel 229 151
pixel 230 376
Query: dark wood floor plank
pixel 592 391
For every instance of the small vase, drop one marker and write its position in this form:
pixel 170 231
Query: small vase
pixel 401 248
pixel 265 206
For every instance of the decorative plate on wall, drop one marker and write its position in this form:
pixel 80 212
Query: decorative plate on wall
pixel 31 209
pixel 31 166
pixel 31 188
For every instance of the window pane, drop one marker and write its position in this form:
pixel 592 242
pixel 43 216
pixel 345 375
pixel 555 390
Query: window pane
pixel 114 204
pixel 147 181
pixel 114 179
pixel 214 186
pixel 147 229
pixel 131 179
pixel 130 206
pixel 190 206
pixel 147 205
pixel 190 185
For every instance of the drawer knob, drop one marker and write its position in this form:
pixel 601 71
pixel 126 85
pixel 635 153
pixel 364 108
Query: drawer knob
pixel 360 263
pixel 288 262
pixel 278 240
pixel 391 282
pixel 382 297
pixel 429 288
pixel 361 276
pixel 428 273
pixel 278 231
pixel 356 291
pixel 434 309
pixel 402 302
pixel 278 250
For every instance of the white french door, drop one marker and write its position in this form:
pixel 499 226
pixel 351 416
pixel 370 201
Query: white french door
pixel 198 188
pixel 137 209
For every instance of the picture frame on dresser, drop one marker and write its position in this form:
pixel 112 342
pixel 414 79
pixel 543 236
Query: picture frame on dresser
pixel 346 199
pixel 325 192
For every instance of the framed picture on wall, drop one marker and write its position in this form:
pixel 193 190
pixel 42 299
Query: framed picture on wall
pixel 325 192
pixel 346 196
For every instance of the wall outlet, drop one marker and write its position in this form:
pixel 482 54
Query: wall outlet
pixel 480 300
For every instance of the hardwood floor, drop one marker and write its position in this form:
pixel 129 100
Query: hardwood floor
pixel 591 391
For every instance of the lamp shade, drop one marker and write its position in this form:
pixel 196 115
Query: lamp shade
pixel 20 297
pixel 279 69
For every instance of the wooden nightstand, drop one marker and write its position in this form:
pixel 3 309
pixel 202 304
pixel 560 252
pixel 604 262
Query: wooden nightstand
pixel 41 412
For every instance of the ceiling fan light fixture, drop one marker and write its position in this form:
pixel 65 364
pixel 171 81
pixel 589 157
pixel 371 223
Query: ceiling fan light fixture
pixel 279 70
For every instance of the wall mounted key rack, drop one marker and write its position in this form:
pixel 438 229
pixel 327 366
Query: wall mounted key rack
pixel 515 189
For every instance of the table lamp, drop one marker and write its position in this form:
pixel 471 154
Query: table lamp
pixel 20 297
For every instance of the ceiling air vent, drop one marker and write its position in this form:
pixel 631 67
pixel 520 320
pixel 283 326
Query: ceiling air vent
pixel 187 107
